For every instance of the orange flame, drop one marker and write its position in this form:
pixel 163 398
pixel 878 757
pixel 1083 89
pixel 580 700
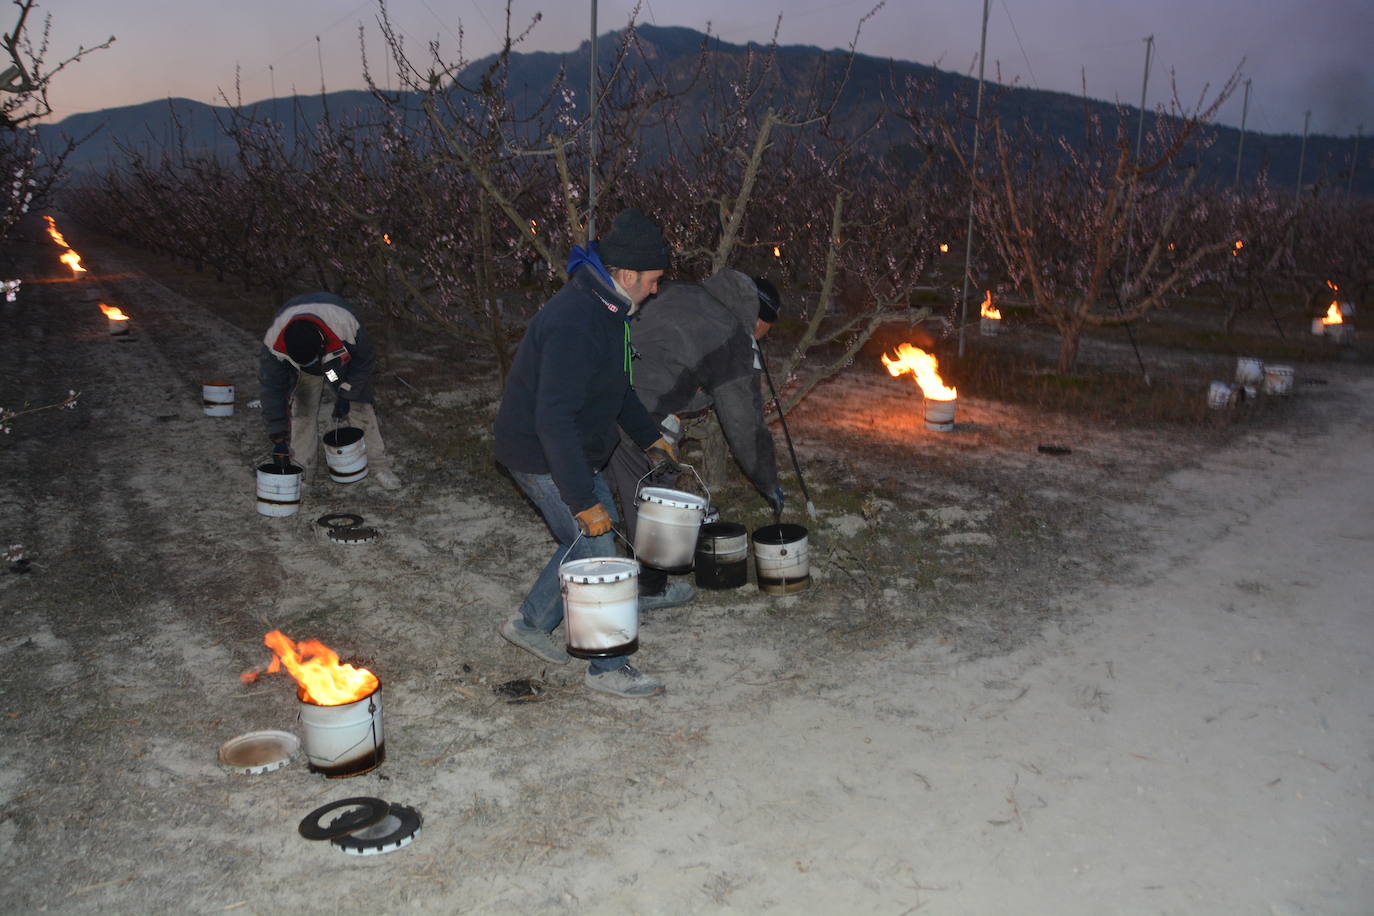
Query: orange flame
pixel 777 252
pixel 988 310
pixel 924 371
pixel 52 231
pixel 944 248
pixel 72 260
pixel 113 313
pixel 323 679
pixel 1333 313
pixel 1235 252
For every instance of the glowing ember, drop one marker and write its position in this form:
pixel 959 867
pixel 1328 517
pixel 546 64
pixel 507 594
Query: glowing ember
pixel 323 679
pixel 988 310
pixel 1333 313
pixel 1235 252
pixel 113 313
pixel 924 370
pixel 72 260
pixel 944 248
pixel 777 252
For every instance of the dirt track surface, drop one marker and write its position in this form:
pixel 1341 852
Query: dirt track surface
pixel 1136 679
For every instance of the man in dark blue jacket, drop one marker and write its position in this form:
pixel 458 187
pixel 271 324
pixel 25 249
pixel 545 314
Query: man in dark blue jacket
pixel 567 395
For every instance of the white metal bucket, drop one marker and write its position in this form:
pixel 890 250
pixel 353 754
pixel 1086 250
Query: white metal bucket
pixel 989 327
pixel 781 559
pixel 344 740
pixel 279 489
pixel 1249 371
pixel 939 415
pixel 346 454
pixel 1278 380
pixel 218 398
pixel 600 606
pixel 666 532
pixel 1221 396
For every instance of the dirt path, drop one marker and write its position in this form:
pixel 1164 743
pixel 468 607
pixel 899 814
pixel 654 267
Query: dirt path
pixel 1192 734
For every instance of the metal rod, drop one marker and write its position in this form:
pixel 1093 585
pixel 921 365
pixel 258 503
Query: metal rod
pixel 1240 148
pixel 1135 156
pixel 973 165
pixel 593 105
pixel 1302 152
pixel 1354 160
pixel 796 465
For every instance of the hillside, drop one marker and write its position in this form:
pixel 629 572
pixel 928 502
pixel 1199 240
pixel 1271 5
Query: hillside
pixel 673 51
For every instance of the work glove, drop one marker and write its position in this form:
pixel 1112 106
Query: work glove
pixel 341 408
pixel 776 500
pixel 663 452
pixel 594 521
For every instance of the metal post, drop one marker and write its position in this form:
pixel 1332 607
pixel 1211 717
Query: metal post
pixel 593 103
pixel 1135 156
pixel 973 166
pixel 1354 160
pixel 1240 148
pixel 1302 153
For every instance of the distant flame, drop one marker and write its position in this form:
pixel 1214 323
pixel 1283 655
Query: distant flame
pixel 924 369
pixel 988 310
pixel 1235 252
pixel 72 260
pixel 323 679
pixel 52 231
pixel 777 252
pixel 1333 313
pixel 386 237
pixel 113 313
pixel 944 248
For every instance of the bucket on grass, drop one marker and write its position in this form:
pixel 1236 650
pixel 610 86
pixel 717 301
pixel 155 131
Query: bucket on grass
pixel 218 398
pixel 346 454
pixel 722 556
pixel 1221 396
pixel 600 606
pixel 939 415
pixel 343 740
pixel 279 489
pixel 1249 371
pixel 1278 380
pixel 667 528
pixel 780 559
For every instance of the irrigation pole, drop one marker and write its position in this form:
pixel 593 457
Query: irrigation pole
pixel 1302 152
pixel 593 104
pixel 1240 148
pixel 1354 160
pixel 973 166
pixel 1130 203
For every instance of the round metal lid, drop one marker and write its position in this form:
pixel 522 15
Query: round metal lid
pixel 368 812
pixel 593 570
pixel 399 828
pixel 358 534
pixel 259 752
pixel 336 520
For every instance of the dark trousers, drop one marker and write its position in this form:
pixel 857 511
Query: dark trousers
pixel 628 466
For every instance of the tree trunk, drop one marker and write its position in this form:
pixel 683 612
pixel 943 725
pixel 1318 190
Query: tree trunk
pixel 1068 348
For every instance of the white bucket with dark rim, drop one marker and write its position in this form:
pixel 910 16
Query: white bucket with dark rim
pixel 1249 371
pixel 279 489
pixel 1221 396
pixel 343 740
pixel 780 559
pixel 989 327
pixel 666 532
pixel 346 454
pixel 939 415
pixel 600 606
pixel 722 556
pixel 1278 380
pixel 218 398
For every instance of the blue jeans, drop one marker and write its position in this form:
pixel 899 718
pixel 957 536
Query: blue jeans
pixel 542 608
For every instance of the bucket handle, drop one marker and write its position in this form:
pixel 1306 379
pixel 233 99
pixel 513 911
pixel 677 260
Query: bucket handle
pixel 614 530
pixel 639 485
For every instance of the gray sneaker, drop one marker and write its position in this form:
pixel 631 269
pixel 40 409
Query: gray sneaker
pixel 624 682
pixel 676 593
pixel 535 642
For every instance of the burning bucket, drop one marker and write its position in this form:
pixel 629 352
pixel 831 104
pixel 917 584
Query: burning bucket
pixel 1278 380
pixel 722 556
pixel 1221 396
pixel 939 415
pixel 343 740
pixel 279 489
pixel 346 454
pixel 780 559
pixel 218 398
pixel 666 533
pixel 601 606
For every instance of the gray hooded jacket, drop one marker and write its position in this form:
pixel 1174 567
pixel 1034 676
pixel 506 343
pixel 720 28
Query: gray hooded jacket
pixel 695 343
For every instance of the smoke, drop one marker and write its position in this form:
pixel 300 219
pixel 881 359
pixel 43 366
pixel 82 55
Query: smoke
pixel 1342 98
